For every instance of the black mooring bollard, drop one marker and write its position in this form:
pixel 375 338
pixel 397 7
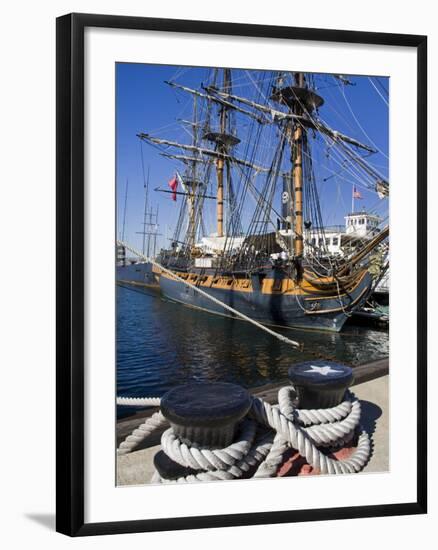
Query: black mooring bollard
pixel 320 384
pixel 204 414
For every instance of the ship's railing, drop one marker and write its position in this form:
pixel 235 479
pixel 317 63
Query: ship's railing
pixel 337 228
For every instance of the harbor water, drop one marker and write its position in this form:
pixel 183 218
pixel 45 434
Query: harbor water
pixel 162 344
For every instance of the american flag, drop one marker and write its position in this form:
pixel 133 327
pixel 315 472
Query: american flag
pixel 356 194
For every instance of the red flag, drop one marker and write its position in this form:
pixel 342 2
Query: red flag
pixel 356 194
pixel 173 184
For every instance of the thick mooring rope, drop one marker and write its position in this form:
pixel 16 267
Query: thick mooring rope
pixel 256 454
pixel 139 401
pixel 332 433
pixel 151 425
pixel 210 459
pixel 263 438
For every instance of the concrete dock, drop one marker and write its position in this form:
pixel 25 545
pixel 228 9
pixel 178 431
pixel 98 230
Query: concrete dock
pixel 374 398
pixel 371 387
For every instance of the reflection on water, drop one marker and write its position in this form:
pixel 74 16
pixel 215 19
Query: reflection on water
pixel 162 344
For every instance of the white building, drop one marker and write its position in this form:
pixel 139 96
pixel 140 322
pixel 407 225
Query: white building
pixel 361 224
pixel 338 239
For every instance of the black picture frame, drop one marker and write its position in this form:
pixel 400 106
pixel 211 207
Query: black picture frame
pixel 70 272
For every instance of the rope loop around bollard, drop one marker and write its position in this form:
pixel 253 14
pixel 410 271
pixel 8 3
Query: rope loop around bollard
pixel 255 456
pixel 199 458
pixel 263 438
pixel 298 438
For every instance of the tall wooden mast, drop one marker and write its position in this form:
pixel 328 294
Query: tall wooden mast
pixel 220 163
pixel 301 101
pixel 297 174
pixel 192 189
pixel 224 141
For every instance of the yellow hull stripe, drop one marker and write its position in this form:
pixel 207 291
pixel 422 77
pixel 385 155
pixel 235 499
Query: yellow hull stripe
pixel 268 286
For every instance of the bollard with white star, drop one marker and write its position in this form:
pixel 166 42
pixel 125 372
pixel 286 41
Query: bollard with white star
pixel 320 384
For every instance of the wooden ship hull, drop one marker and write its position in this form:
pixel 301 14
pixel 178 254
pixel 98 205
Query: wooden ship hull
pixel 272 299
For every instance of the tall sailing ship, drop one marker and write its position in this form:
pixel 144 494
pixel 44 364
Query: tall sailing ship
pixel 250 161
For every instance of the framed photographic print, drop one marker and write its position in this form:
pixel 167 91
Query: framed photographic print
pixel 241 264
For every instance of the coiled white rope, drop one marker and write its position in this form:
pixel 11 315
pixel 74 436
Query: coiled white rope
pixel 269 467
pixel 256 454
pixel 139 401
pixel 298 438
pixel 199 458
pixel 154 423
pixel 262 439
pixel 306 417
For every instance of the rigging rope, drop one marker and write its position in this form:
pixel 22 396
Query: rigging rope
pixel 360 126
pixel 375 87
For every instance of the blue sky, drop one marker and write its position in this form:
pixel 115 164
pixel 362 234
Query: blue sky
pixel 144 103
